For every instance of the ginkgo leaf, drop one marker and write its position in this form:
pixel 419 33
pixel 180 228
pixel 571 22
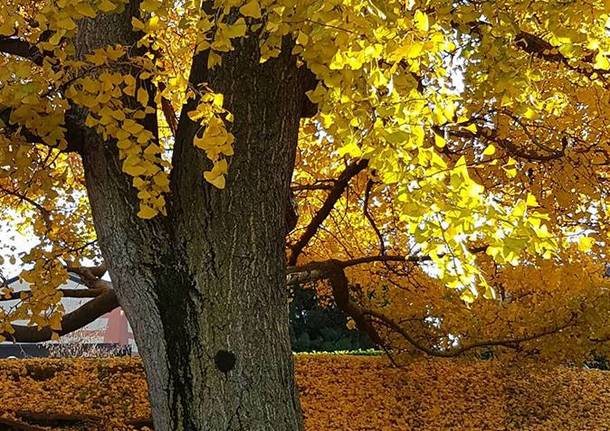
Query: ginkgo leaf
pixel 602 61
pixel 217 181
pixel 251 9
pixel 106 6
pixel 421 21
pixel 85 9
pixel 532 201
pixel 585 243
pixel 146 212
pixel 490 150
pixel 142 96
pixel 439 141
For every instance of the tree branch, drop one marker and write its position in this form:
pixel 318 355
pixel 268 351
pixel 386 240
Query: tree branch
pixel 71 322
pixel 336 192
pixel 66 293
pixel 369 216
pixel 542 49
pixel 511 343
pixel 21 48
pixel 91 275
pixel 334 272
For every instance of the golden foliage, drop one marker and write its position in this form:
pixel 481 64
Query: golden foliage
pixel 337 393
pixel 481 126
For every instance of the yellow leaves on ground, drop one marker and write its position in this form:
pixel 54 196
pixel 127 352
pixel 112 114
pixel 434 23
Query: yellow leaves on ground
pixel 337 393
pixel 360 393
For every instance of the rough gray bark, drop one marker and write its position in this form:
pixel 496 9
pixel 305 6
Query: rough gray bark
pixel 204 287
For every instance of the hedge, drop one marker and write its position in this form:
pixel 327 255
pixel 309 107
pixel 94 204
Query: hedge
pixel 337 392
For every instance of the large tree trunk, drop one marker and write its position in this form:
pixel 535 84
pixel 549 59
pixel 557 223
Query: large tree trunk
pixel 204 287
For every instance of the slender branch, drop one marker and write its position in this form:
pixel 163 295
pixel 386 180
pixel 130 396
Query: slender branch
pixel 66 293
pixel 369 217
pixel 46 214
pixel 506 144
pixel 511 343
pixel 305 187
pixel 168 111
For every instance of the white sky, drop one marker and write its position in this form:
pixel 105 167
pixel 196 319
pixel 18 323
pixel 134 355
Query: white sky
pixel 9 237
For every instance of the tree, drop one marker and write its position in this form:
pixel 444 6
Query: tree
pixel 444 152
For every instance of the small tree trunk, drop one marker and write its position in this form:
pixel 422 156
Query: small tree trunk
pixel 204 288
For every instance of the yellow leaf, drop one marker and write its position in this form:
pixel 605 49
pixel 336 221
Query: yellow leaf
pixel 146 212
pixel 85 9
pixel 142 96
pixel 251 9
pixel 439 141
pixel 468 296
pixel 237 29
pixel 214 60
pixel 216 175
pixel 66 22
pixel 150 5
pixel 490 150
pixel 602 62
pixel 106 6
pixel 153 23
pixel 218 182
pixel 421 21
pixel 412 49
pixel 471 128
pixel 585 243
pixel 531 200
pixel 350 324
pixel 302 38
pixel 137 24
pixel 133 170
pixel 55 322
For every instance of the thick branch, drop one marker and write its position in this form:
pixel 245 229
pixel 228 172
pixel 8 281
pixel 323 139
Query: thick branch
pixel 20 48
pixel 542 49
pixel 71 322
pixel 333 271
pixel 339 284
pixel 315 271
pixel 91 276
pixel 337 191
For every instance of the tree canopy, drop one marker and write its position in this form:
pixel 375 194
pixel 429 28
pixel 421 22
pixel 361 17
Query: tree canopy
pixel 451 180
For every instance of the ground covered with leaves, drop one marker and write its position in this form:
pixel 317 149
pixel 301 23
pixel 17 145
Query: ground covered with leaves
pixel 337 392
